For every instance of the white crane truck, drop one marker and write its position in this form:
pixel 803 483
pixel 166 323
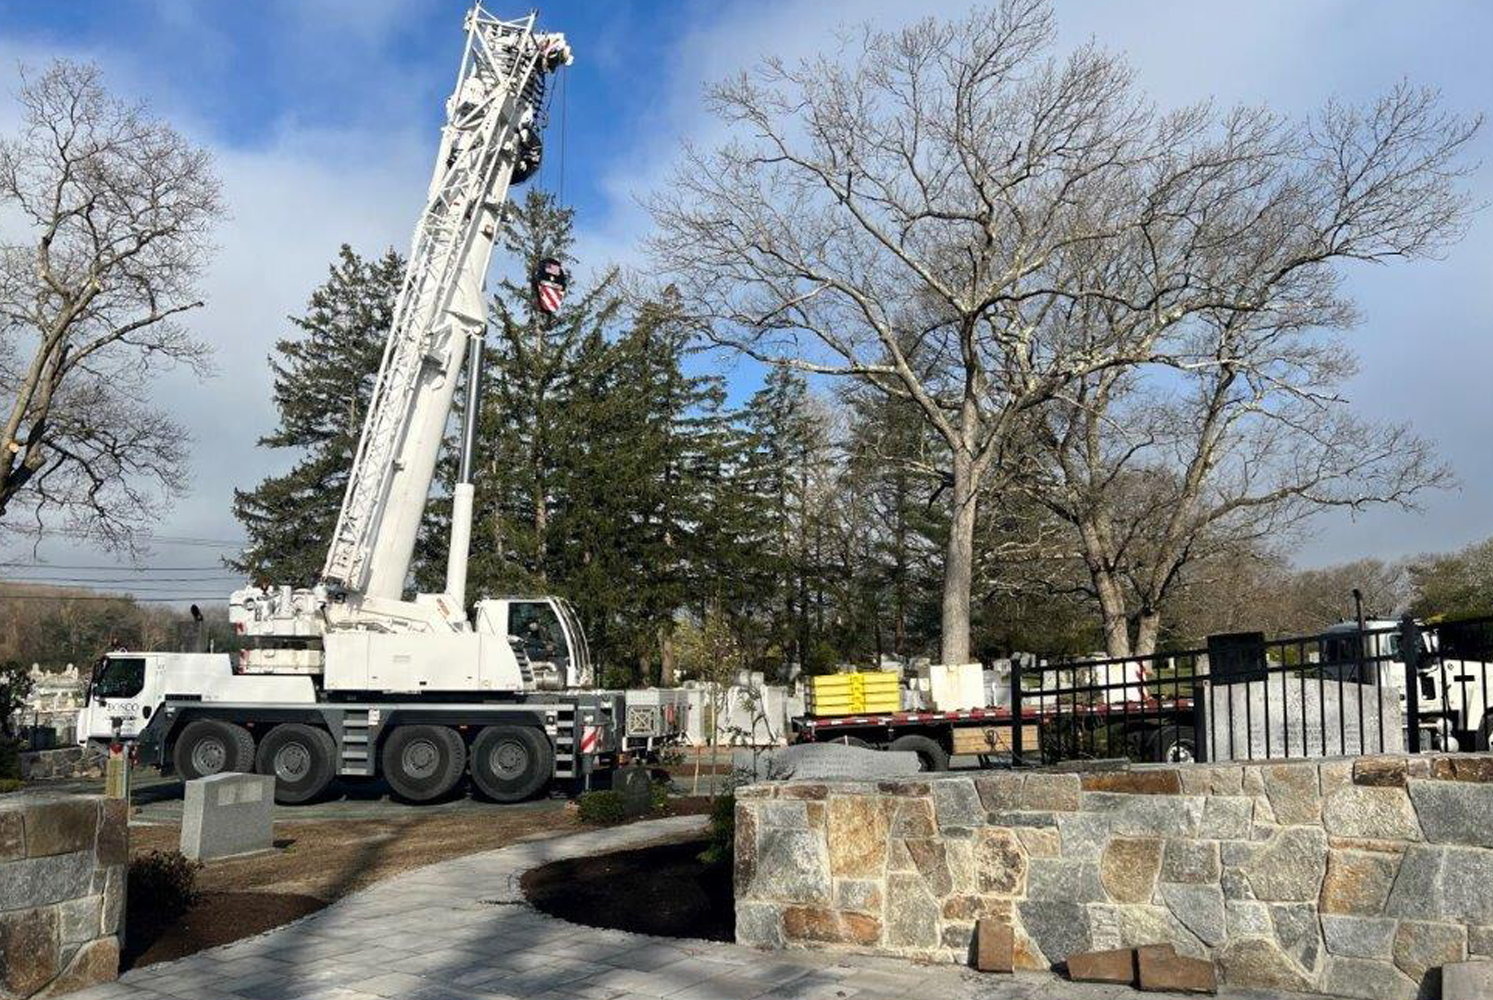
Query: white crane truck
pixel 347 678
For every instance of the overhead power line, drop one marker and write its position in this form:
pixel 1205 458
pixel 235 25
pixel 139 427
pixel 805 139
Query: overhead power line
pixel 115 597
pixel 147 539
pixel 100 567
pixel 117 581
pixel 175 588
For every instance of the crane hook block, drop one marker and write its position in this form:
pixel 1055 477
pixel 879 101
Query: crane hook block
pixel 550 280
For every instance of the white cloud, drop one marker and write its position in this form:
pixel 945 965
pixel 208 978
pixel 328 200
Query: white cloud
pixel 1424 343
pixel 294 197
pixel 354 168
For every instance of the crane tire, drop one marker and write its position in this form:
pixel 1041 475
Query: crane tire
pixel 211 746
pixel 302 759
pixel 931 756
pixel 512 763
pixel 422 763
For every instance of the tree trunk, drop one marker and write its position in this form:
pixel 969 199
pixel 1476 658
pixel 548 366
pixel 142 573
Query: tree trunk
pixel 959 562
pixel 1095 535
pixel 667 676
pixel 1146 631
pixel 1111 612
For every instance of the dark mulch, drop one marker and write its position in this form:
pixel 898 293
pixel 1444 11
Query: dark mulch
pixel 665 891
pixel 684 805
pixel 216 918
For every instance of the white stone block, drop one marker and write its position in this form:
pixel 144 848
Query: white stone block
pixel 228 814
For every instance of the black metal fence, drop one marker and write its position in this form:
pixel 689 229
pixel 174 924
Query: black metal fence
pixel 1348 691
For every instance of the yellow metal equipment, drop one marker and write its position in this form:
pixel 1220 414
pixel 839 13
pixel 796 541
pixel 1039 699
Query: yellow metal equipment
pixel 854 693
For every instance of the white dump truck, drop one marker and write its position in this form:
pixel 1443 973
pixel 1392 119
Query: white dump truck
pixel 348 677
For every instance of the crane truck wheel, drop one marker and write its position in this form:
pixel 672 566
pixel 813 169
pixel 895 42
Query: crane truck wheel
pixel 931 756
pixel 209 746
pixel 302 760
pixel 511 763
pixel 422 763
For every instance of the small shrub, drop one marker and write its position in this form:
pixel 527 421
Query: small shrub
pixel 10 758
pixel 163 886
pixel 601 808
pixel 9 785
pixel 722 848
pixel 659 800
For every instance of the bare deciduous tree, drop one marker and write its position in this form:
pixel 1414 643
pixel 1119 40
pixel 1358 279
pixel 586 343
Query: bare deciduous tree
pixel 109 214
pixel 1239 432
pixel 963 222
pixel 903 217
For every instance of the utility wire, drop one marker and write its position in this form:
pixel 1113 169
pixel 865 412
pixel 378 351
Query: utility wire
pixel 119 597
pixel 147 538
pixel 112 569
pixel 69 580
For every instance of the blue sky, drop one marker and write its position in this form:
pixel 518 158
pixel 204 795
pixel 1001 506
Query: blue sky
pixel 322 115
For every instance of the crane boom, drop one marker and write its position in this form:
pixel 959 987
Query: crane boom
pixel 491 132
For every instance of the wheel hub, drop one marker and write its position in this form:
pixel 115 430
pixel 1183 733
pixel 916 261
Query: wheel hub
pixel 1180 753
pixel 510 759
pixel 209 756
pixel 421 758
pixel 292 762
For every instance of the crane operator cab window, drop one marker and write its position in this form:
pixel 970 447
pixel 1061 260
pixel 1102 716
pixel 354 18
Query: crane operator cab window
pixel 538 629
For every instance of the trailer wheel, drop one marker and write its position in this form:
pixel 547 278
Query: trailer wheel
pixel 851 741
pixel 422 763
pixel 210 746
pixel 511 763
pixel 1174 745
pixel 302 760
pixel 931 756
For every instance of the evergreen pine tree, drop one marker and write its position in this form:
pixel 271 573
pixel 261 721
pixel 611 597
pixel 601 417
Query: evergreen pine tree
pixel 784 434
pixel 324 375
pixel 530 367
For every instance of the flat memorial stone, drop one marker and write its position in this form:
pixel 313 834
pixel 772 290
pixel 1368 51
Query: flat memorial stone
pixel 228 814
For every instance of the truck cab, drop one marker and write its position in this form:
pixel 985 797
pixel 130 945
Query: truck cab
pixel 1454 679
pixel 132 687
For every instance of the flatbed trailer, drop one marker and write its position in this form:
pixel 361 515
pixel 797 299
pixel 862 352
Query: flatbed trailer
pixel 1152 729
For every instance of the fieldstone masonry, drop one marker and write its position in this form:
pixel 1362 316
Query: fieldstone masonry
pixel 1351 877
pixel 63 862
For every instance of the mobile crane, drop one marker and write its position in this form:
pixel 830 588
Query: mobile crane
pixel 348 678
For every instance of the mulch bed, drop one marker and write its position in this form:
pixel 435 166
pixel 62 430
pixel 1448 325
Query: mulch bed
pixel 684 805
pixel 217 918
pixel 664 891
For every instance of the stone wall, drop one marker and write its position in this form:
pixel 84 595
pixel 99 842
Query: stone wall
pixel 1357 878
pixel 63 864
pixel 66 762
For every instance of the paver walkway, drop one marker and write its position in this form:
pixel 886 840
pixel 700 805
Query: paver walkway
pixel 460 930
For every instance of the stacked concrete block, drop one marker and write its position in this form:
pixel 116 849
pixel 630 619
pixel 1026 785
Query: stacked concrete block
pixel 1350 877
pixel 63 866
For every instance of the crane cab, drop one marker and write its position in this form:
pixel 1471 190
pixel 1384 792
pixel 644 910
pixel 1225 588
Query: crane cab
pixel 547 631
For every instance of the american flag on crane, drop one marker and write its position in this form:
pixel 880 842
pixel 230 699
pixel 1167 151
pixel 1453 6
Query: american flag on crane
pixel 550 281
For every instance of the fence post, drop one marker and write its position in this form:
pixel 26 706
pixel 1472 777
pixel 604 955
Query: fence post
pixel 1199 718
pixel 1016 711
pixel 1410 655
